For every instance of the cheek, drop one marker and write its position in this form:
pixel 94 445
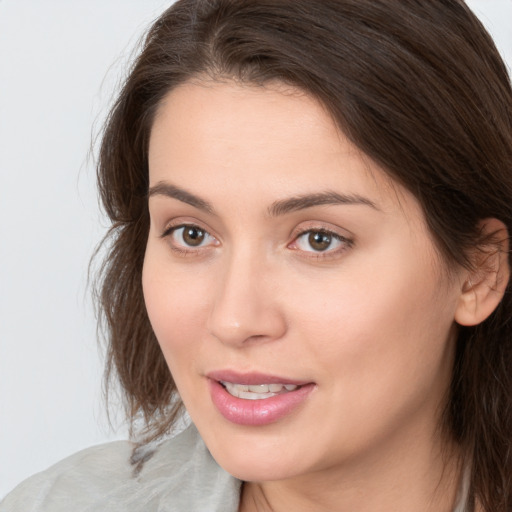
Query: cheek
pixel 175 302
pixel 383 357
pixel 380 331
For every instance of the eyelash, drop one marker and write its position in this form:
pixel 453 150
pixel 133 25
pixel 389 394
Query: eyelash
pixel 345 243
pixel 184 250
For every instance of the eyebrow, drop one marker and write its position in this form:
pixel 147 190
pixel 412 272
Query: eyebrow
pixel 276 209
pixel 319 199
pixel 168 190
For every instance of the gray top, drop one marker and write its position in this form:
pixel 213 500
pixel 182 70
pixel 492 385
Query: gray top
pixel 179 475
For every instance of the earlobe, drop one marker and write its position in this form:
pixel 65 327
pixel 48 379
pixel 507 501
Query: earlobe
pixel 486 283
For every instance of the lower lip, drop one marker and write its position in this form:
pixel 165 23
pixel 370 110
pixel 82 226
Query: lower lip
pixel 257 412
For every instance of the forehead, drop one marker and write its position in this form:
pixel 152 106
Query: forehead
pixel 267 116
pixel 262 138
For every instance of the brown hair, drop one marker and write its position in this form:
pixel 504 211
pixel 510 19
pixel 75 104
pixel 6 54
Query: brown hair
pixel 418 86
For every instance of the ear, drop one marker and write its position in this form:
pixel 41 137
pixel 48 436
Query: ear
pixel 485 284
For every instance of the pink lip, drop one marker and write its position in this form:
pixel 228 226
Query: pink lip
pixel 255 412
pixel 252 378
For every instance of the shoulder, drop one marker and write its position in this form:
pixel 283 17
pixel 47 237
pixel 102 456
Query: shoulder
pixel 177 475
pixel 80 477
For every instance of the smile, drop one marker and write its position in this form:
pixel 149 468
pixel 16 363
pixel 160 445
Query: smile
pixel 258 391
pixel 256 399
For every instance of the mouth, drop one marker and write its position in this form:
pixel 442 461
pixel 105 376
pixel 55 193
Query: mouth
pixel 256 399
pixel 257 391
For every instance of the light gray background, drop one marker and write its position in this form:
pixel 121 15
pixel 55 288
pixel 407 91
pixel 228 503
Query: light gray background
pixel 59 63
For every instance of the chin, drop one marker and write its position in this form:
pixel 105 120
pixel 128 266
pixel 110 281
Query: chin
pixel 255 456
pixel 258 469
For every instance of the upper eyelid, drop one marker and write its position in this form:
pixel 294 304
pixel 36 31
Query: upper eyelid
pixel 319 230
pixel 172 225
pixel 322 227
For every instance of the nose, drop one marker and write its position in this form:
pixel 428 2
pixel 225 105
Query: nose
pixel 246 307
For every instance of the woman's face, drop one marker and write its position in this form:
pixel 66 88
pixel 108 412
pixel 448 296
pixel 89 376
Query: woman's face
pixel 278 254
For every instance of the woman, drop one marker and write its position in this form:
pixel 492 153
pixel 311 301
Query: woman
pixel 310 251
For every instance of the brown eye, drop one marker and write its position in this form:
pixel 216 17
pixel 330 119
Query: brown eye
pixel 193 236
pixel 319 240
pixel 189 236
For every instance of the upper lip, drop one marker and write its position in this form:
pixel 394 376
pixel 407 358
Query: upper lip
pixel 252 378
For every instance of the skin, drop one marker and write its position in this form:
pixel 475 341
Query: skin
pixel 369 320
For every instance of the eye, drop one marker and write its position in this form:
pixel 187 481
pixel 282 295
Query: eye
pixel 320 241
pixel 189 236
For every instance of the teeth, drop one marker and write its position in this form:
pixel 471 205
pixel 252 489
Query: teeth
pixel 260 388
pixel 250 395
pixel 258 391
